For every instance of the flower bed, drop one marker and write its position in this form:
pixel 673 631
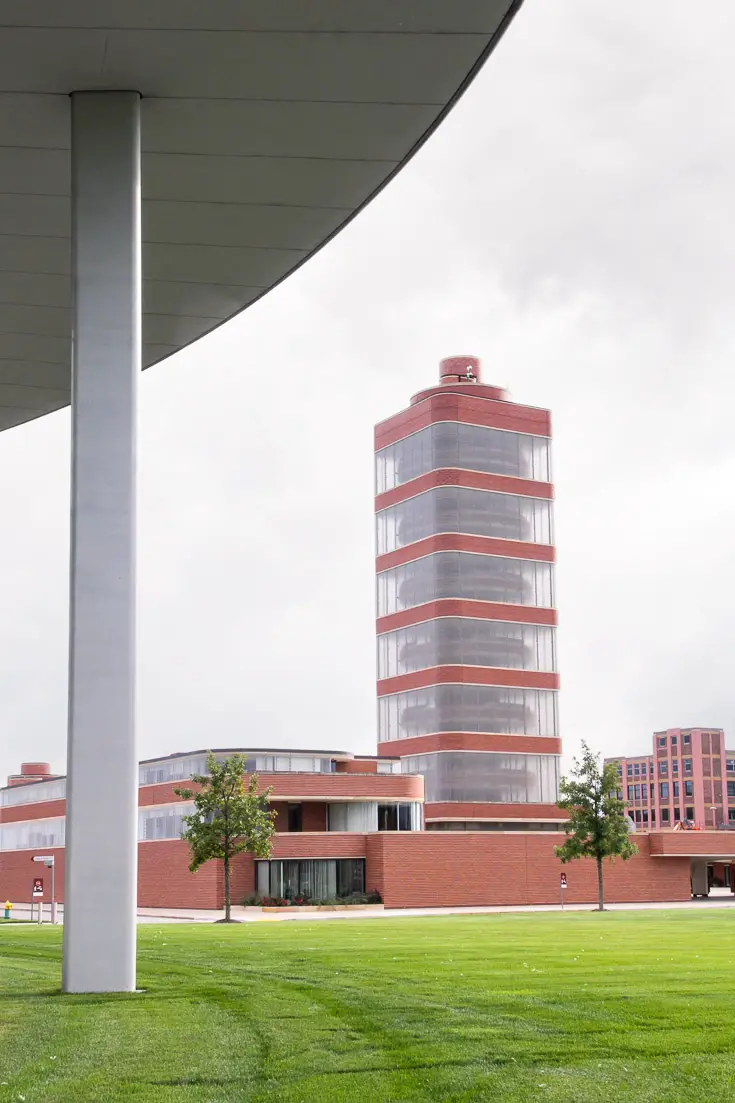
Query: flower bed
pixel 364 901
pixel 320 907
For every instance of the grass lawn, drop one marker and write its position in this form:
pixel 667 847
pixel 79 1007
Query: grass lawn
pixel 632 1006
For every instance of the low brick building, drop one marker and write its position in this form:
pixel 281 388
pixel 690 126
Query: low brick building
pixel 345 823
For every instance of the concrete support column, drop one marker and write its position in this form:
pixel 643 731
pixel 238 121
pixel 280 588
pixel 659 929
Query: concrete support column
pixel 102 785
pixel 700 886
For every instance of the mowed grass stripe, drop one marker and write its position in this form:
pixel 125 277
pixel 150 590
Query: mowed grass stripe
pixel 634 1005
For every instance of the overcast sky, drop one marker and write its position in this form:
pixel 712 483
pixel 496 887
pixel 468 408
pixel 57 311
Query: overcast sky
pixel 571 224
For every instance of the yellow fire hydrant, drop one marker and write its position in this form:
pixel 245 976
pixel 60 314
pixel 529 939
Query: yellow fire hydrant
pixel 8 907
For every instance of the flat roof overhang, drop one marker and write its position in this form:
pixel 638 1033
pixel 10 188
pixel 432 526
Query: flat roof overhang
pixel 265 128
pixel 710 846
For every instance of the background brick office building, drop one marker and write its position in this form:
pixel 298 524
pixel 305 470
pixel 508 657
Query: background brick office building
pixel 688 776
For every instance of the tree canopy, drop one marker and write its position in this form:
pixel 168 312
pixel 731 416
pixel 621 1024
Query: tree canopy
pixel 228 818
pixel 598 826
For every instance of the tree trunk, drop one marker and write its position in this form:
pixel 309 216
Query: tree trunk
pixel 601 900
pixel 227 888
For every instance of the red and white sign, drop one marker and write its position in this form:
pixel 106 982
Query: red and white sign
pixel 37 887
pixel 563 880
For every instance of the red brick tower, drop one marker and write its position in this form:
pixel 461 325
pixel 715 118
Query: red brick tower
pixel 467 682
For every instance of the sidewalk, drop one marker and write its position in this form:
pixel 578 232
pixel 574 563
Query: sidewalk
pixel 718 898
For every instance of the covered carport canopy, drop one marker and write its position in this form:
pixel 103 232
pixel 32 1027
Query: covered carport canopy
pixel 163 164
pixel 265 126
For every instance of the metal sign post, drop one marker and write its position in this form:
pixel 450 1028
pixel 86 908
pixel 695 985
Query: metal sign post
pixel 38 895
pixel 562 886
pixel 49 861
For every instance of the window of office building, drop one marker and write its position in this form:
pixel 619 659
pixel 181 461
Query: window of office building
pixel 686 740
pixel 664 815
pixel 630 792
pixel 32 835
pixel 664 790
pixel 467 708
pixel 163 821
pixel 365 816
pixel 676 788
pixel 466 447
pixel 466 641
pixel 731 788
pixel 33 792
pixel 295 817
pixel 663 768
pixel 464 575
pixel 686 765
pixel 461 510
pixel 485 776
pixel 689 789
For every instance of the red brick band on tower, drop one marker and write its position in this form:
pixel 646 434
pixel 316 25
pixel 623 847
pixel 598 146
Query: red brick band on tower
pixel 467 681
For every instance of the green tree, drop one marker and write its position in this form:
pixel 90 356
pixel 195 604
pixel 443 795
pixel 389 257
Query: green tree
pixel 597 826
pixel 227 818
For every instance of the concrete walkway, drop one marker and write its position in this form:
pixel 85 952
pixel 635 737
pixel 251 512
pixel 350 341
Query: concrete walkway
pixel 718 898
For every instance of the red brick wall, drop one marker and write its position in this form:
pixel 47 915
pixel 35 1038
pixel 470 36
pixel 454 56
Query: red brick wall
pixel 41 810
pixel 720 844
pixel 472 408
pixel 435 869
pixel 460 607
pixel 472 480
pixel 164 879
pixel 17 872
pixel 357 766
pixel 332 844
pixel 467 675
pixel 294 787
pixel 422 869
pixel 450 541
pixel 454 810
pixel 471 741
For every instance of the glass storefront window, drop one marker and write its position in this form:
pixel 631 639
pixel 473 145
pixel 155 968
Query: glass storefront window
pixel 470 776
pixel 464 575
pixel 466 641
pixel 461 510
pixel 467 708
pixel 466 447
pixel 314 879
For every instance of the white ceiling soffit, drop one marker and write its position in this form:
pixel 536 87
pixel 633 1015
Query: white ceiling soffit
pixel 266 126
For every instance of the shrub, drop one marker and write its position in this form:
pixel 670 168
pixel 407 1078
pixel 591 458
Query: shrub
pixel 252 900
pixel 374 897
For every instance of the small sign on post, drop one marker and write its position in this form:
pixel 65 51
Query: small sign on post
pixel 562 886
pixel 37 895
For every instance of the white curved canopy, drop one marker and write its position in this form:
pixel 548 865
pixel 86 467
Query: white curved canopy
pixel 265 126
